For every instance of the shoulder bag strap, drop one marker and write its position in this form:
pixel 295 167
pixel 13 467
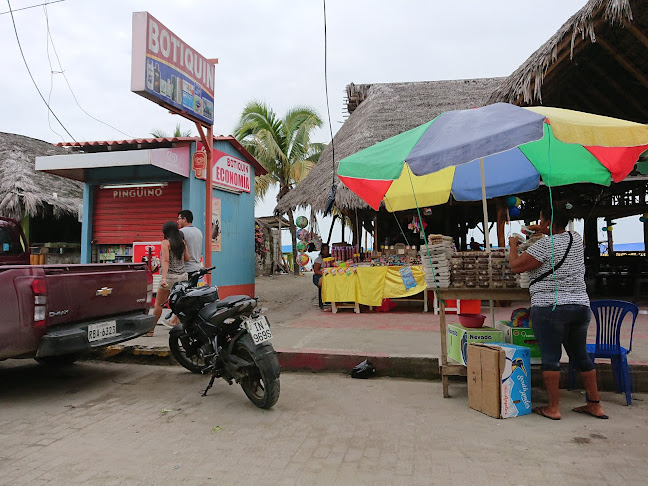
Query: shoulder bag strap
pixel 549 272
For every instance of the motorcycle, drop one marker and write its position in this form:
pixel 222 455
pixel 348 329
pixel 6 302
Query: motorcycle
pixel 225 337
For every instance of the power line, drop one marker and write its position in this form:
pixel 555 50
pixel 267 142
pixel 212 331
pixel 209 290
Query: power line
pixel 62 71
pixel 30 74
pixel 326 88
pixel 49 96
pixel 32 6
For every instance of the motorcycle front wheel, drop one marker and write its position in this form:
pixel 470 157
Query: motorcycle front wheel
pixel 261 385
pixel 193 363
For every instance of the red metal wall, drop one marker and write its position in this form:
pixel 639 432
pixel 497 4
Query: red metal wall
pixel 134 214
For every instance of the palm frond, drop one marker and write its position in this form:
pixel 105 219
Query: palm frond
pixel 158 133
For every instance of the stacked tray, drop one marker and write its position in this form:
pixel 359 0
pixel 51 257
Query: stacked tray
pixel 437 264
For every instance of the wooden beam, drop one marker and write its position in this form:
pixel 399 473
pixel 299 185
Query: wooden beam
pixel 641 37
pixel 625 93
pixel 625 63
pixel 564 50
pixel 584 101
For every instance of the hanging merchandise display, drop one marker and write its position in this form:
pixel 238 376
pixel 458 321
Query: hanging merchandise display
pixel 302 259
pixel 301 221
pixel 301 246
pixel 302 234
pixel 514 212
pixel 415 225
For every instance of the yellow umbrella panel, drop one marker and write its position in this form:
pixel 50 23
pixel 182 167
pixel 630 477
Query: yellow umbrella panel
pixel 411 191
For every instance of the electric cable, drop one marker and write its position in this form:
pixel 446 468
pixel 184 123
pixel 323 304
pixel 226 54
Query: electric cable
pixel 30 74
pixel 333 190
pixel 328 109
pixel 62 71
pixel 31 6
pixel 49 96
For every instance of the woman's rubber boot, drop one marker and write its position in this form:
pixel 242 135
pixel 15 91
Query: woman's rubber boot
pixel 551 381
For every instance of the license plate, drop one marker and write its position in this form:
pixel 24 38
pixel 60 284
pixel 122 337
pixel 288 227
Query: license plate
pixel 259 329
pixel 102 330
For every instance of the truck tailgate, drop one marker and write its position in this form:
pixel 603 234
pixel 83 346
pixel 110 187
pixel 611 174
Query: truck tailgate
pixel 82 292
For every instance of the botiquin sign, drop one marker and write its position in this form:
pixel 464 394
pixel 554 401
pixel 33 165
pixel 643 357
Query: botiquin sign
pixel 169 72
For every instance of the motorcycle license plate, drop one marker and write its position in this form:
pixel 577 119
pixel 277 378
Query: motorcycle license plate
pixel 102 330
pixel 259 329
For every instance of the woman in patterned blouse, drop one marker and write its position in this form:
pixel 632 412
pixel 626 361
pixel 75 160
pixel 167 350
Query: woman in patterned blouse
pixel 560 312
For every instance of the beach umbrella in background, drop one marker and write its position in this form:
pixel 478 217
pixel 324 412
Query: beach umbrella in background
pixel 496 150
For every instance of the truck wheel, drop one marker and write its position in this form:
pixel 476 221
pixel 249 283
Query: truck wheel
pixel 63 360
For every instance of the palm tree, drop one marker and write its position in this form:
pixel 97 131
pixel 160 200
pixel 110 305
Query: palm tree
pixel 178 132
pixel 283 147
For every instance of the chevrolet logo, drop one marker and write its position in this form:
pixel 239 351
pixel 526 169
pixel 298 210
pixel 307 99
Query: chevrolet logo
pixel 104 292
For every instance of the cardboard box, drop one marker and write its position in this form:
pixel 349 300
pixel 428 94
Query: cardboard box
pixel 459 337
pixel 499 379
pixel 521 336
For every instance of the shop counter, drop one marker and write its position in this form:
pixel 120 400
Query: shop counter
pixel 370 285
pixel 456 369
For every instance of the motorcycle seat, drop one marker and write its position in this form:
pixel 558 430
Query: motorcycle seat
pixel 210 309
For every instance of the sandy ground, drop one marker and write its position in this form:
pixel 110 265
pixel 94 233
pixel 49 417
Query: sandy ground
pixel 286 296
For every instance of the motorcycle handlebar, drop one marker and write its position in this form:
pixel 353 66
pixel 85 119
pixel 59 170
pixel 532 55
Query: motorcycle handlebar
pixel 193 281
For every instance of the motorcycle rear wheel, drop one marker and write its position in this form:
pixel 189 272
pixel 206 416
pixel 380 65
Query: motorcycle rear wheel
pixel 192 363
pixel 260 385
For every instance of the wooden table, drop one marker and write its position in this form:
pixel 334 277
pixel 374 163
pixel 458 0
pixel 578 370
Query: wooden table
pixel 455 369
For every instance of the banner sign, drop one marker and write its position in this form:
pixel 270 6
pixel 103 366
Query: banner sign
pixel 169 72
pixel 174 160
pixel 229 172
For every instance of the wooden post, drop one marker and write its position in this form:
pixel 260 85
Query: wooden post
pixel 502 218
pixel 608 223
pixel 376 231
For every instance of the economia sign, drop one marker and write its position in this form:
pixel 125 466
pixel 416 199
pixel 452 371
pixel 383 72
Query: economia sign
pixel 169 72
pixel 228 172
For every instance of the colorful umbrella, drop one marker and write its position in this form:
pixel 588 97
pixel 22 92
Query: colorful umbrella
pixel 493 151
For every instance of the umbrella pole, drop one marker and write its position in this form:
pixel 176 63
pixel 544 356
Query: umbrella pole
pixel 486 232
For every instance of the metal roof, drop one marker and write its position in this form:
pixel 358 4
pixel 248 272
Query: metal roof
pixel 108 144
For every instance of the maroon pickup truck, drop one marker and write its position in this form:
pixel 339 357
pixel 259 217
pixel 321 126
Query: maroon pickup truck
pixel 56 312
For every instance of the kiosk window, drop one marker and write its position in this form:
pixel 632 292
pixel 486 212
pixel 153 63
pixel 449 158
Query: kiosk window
pixel 10 243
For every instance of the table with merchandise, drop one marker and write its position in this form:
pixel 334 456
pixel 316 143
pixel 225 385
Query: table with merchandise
pixel 367 278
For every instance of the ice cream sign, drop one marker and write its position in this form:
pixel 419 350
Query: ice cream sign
pixel 169 72
pixel 230 173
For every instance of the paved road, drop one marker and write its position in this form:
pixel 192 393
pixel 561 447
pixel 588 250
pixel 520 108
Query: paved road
pixel 117 424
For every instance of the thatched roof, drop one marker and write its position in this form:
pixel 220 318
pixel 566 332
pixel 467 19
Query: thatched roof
pixel 22 189
pixel 386 110
pixel 596 62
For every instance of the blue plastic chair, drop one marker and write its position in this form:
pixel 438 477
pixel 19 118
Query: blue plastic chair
pixel 609 315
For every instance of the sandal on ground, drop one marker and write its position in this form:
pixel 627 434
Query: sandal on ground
pixel 540 411
pixel 149 334
pixel 583 409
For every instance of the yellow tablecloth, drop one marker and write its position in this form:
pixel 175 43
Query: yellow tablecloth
pixel 370 285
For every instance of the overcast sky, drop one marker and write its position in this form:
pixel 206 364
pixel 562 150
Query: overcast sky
pixel 271 51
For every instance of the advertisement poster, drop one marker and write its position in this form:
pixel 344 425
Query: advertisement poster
pixel 169 72
pixel 141 254
pixel 216 224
